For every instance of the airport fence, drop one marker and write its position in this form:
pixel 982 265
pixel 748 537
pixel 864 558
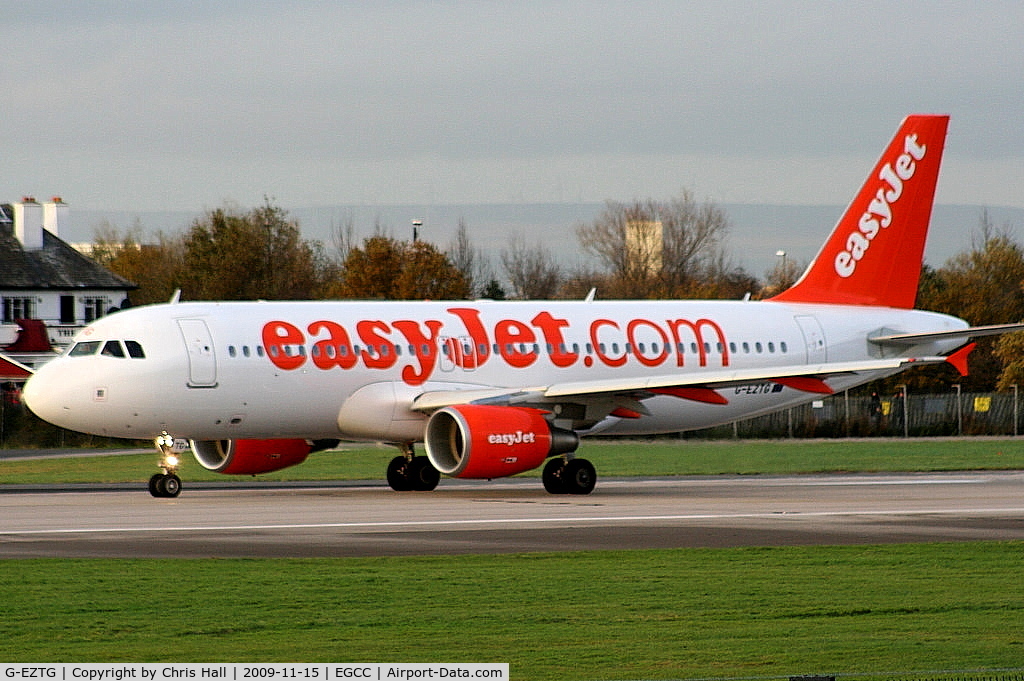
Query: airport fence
pixel 902 414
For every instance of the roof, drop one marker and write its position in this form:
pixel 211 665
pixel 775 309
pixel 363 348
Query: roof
pixel 55 266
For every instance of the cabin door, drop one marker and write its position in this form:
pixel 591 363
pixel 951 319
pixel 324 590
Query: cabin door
pixel 202 363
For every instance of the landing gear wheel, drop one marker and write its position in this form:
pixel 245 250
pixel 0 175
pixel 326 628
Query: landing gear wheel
pixel 415 474
pixel 171 485
pixel 398 474
pixel 165 485
pixel 579 476
pixel 553 476
pixel 423 477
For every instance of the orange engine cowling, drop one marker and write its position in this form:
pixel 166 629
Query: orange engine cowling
pixel 483 441
pixel 250 457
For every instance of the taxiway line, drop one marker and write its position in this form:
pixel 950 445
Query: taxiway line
pixel 477 522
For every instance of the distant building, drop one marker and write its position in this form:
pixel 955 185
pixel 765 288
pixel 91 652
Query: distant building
pixel 645 244
pixel 48 290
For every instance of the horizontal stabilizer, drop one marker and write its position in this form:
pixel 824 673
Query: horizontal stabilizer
pixel 13 370
pixel 959 358
pixel 905 339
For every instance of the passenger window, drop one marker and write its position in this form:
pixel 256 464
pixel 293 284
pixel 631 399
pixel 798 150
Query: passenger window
pixel 231 351
pixel 134 349
pixel 86 348
pixel 113 349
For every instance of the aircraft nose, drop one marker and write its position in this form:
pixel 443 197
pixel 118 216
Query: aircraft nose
pixel 40 395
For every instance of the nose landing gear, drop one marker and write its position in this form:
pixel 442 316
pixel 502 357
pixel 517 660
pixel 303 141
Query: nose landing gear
pixel 166 484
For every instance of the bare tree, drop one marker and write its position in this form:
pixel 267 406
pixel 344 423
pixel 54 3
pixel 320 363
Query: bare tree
pixel 657 248
pixel 343 236
pixel 781 276
pixel 533 273
pixel 470 261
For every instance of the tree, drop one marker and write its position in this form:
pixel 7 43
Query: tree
pixel 493 291
pixel 470 261
pixel 780 277
pixel 533 273
pixel 155 268
pixel 653 249
pixel 1009 349
pixel 259 254
pixel 387 269
pixel 984 285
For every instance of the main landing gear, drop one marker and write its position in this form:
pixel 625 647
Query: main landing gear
pixel 569 476
pixel 408 472
pixel 166 484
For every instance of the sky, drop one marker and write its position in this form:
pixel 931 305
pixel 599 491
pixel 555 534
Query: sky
pixel 150 106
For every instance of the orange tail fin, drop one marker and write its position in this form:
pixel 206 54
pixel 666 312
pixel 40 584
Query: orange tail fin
pixel 874 255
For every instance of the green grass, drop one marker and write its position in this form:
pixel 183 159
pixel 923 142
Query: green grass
pixel 664 614
pixel 599 615
pixel 658 457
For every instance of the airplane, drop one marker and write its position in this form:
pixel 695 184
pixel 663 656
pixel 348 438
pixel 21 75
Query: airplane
pixel 495 388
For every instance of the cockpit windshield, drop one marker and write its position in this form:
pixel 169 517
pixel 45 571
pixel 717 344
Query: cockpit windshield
pixel 84 348
pixel 111 348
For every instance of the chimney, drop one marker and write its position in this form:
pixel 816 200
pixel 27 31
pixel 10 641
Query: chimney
pixel 28 223
pixel 55 216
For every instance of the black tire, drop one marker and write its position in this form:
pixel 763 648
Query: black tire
pixel 579 476
pixel 423 477
pixel 155 483
pixel 171 486
pixel 553 476
pixel 398 474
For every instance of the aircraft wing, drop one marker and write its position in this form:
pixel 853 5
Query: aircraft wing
pixel 701 387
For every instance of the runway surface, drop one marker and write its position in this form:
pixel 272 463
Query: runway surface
pixel 356 519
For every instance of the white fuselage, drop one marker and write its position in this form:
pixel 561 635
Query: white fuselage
pixel 350 370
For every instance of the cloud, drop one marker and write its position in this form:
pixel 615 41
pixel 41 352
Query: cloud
pixel 171 102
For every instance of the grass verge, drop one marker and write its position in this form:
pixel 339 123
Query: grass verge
pixel 658 614
pixel 657 457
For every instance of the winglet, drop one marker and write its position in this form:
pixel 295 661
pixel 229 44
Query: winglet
pixel 959 358
pixel 874 254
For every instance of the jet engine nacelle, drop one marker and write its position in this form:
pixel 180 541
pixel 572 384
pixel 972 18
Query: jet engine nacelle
pixel 250 457
pixel 483 441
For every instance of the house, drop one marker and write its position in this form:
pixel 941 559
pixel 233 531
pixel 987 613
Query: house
pixel 48 290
